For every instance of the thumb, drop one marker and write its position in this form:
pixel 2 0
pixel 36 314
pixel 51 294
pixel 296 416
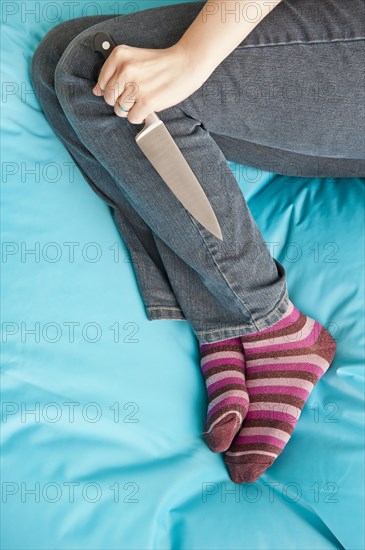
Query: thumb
pixel 97 90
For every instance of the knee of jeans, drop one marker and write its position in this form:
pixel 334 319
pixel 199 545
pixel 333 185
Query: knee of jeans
pixel 78 61
pixel 47 55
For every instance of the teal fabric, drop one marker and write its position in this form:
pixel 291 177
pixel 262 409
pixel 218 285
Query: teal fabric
pixel 130 470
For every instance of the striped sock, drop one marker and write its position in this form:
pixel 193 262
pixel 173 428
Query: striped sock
pixel 223 365
pixel 283 363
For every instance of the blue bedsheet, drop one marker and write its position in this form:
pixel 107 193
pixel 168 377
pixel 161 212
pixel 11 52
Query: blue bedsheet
pixel 103 409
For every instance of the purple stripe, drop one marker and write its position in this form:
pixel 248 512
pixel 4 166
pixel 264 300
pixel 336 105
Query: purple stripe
pixel 282 346
pixel 222 361
pixel 266 439
pixel 272 415
pixel 287 390
pixel 213 387
pixel 304 367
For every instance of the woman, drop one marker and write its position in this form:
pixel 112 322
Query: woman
pixel 269 84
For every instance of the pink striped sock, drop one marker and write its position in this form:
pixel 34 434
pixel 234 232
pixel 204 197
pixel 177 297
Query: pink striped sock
pixel 223 367
pixel 283 363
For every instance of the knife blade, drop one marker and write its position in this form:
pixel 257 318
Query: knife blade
pixel 158 145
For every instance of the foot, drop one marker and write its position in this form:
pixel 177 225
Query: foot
pixel 223 367
pixel 283 364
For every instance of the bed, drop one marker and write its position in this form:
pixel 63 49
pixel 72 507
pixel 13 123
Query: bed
pixel 102 409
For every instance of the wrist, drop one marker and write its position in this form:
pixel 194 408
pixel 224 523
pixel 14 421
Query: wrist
pixel 193 64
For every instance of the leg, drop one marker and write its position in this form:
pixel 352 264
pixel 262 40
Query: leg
pixel 290 98
pixel 264 285
pixel 223 364
pixel 240 305
pixel 252 453
pixel 152 279
pixel 206 241
pixel 154 284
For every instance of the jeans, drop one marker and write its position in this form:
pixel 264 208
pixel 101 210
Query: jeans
pixel 289 99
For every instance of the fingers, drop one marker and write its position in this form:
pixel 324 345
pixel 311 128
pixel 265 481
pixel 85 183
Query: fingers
pixel 109 84
pixel 130 105
pixel 117 90
pixel 124 103
pixel 126 100
pixel 110 66
pixel 126 109
pixel 111 90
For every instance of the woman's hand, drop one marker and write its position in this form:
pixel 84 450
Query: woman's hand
pixel 144 80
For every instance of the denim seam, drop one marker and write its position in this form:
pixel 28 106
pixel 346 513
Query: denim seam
pixel 206 244
pixel 220 270
pixel 281 300
pixel 165 313
pixel 307 155
pixel 299 43
pixel 164 307
pixel 238 327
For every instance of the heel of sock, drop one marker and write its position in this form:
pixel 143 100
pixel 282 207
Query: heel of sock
pixel 326 346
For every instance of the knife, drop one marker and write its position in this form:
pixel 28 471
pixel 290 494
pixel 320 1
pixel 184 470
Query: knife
pixel 157 144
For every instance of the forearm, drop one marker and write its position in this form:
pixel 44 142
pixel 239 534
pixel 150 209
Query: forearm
pixel 220 27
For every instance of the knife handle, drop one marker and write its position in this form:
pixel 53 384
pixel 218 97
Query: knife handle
pixel 104 43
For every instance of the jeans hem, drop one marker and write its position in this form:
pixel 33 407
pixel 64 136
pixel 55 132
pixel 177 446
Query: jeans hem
pixel 217 335
pixel 156 313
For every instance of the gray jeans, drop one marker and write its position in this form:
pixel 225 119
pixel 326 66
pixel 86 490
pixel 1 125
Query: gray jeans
pixel 289 100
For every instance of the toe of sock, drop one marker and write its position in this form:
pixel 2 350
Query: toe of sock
pixel 246 472
pixel 221 436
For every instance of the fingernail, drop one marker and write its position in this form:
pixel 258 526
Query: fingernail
pixel 97 90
